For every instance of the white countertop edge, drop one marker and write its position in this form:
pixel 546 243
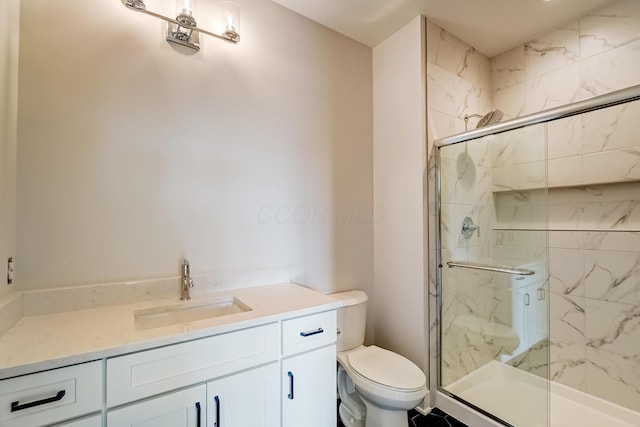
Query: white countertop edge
pixel 171 338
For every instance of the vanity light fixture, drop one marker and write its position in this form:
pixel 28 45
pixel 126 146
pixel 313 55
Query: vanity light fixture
pixel 184 30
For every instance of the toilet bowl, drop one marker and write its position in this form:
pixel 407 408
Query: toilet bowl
pixel 376 386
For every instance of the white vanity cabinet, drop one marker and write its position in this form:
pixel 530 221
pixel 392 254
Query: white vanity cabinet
pixel 184 408
pixel 276 374
pixel 93 421
pixel 308 372
pixel 48 397
pixel 246 399
pixel 139 375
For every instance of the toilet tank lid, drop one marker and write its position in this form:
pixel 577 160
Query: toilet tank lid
pixel 350 297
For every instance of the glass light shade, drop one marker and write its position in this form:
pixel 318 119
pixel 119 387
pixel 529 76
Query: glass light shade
pixel 186 6
pixel 231 16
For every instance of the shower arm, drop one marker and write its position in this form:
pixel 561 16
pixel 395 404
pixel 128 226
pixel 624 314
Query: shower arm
pixel 470 116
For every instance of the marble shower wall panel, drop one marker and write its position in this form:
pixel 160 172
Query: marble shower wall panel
pixel 594 55
pixel 609 28
pixel 567 337
pixel 611 70
pixel 519 146
pixel 613 361
pixel 552 51
pixel 458 83
pixel 521 209
pixel 613 276
pixel 613 377
pixel 595 298
pixel 613 128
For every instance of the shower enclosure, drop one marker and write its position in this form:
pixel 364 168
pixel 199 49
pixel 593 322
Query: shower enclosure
pixel 538 266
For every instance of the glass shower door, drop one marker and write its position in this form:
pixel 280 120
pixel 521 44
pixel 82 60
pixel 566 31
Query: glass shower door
pixel 494 344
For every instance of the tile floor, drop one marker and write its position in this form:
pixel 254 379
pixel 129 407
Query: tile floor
pixel 436 418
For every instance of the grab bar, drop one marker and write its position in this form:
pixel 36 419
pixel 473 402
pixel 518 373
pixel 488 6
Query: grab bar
pixel 489 267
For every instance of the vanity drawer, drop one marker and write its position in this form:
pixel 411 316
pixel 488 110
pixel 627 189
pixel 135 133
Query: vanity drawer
pixel 51 396
pixel 308 332
pixel 150 372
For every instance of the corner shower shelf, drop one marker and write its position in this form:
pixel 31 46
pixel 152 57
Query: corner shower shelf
pixel 488 267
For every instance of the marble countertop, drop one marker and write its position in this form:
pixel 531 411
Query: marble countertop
pixel 48 341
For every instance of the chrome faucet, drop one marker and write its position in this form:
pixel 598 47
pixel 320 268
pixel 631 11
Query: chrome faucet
pixel 186 281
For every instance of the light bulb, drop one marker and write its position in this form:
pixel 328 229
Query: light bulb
pixel 231 14
pixel 186 6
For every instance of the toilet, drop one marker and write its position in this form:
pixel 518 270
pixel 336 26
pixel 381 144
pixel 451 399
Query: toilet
pixel 376 386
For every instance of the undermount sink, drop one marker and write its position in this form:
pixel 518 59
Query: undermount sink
pixel 186 312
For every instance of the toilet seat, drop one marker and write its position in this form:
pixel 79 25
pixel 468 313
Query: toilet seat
pixel 387 396
pixel 387 369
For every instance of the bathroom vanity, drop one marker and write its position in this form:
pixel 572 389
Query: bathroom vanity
pixel 270 364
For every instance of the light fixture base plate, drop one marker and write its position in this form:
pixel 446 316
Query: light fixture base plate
pixel 192 43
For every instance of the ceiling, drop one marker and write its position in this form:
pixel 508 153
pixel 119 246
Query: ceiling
pixel 490 26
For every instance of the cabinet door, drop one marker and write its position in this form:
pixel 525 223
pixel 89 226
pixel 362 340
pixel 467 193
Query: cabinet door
pixel 247 399
pixel 94 421
pixel 309 389
pixel 185 408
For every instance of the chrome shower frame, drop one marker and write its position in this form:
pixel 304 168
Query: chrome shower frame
pixel 592 104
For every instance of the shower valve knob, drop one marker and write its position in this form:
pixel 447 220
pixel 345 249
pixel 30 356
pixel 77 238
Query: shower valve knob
pixel 468 227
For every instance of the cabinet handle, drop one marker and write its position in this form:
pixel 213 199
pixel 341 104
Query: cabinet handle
pixel 526 299
pixel 217 399
pixel 314 332
pixel 16 406
pixel 290 395
pixel 198 414
pixel 541 294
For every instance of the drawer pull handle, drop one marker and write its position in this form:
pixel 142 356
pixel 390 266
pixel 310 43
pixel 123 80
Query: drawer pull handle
pixel 198 414
pixel 16 406
pixel 290 395
pixel 314 332
pixel 217 399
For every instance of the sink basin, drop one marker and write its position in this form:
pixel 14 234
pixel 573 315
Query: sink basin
pixel 186 312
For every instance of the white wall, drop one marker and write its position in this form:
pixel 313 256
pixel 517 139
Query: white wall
pixel 399 165
pixel 9 40
pixel 132 155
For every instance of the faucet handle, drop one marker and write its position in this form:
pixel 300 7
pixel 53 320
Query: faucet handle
pixel 468 227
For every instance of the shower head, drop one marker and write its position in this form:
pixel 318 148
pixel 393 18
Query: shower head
pixel 493 116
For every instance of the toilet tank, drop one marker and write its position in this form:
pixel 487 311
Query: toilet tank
pixel 352 319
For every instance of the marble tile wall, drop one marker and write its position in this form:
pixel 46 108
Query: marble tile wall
pixel 593 174
pixel 594 282
pixel 593 55
pixel 458 83
pixel 594 285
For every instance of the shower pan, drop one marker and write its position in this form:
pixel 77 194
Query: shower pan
pixel 537 314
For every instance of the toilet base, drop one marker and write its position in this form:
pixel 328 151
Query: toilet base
pixel 380 417
pixel 349 419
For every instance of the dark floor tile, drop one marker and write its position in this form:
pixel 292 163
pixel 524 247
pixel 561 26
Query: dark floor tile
pixel 436 418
